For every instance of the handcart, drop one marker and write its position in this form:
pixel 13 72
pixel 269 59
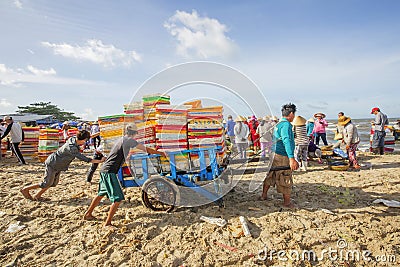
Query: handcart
pixel 203 179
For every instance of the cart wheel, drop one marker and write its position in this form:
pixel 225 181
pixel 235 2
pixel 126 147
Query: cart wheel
pixel 160 194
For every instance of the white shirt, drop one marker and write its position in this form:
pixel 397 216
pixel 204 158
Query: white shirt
pixel 265 132
pixel 16 133
pixel 241 134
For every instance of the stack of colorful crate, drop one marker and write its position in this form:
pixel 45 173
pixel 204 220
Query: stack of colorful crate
pixel 135 110
pixel 72 132
pixel 111 128
pixel 48 143
pixel 61 140
pixel 150 102
pixel 205 130
pixel 171 128
pixel 29 147
pixel 171 133
pixel 147 136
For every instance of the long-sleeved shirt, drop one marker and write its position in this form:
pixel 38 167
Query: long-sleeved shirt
pixel 62 158
pixel 310 128
pixel 350 134
pixel 320 125
pixel 230 125
pixel 380 121
pixel 265 132
pixel 241 132
pixel 95 129
pixel 300 133
pixel 15 131
pixel 284 139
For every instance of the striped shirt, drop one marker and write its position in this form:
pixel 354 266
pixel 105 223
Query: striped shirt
pixel 300 135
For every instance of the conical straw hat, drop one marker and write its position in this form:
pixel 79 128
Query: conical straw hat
pixel 240 118
pixel 343 120
pixel 299 121
pixel 274 118
pixel 319 114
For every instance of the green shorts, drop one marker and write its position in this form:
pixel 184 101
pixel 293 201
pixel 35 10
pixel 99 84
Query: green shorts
pixel 109 186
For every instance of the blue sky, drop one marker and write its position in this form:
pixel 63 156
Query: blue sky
pixel 90 57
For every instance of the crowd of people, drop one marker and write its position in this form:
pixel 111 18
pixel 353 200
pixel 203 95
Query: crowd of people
pixel 292 139
pixel 257 134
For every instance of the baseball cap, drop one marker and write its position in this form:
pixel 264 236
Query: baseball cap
pixel 131 127
pixel 374 109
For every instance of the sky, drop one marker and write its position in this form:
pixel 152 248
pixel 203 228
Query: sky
pixel 91 57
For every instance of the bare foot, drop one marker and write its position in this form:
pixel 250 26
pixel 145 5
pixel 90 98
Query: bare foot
pixel 262 198
pixel 26 194
pixel 89 218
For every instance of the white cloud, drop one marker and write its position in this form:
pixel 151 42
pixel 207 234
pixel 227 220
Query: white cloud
pixel 17 77
pixel 87 114
pixel 39 72
pixel 198 36
pixel 4 103
pixel 18 3
pixel 97 52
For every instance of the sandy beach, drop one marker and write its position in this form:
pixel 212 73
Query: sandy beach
pixel 335 211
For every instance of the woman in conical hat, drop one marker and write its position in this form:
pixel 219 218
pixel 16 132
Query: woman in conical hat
pixel 351 139
pixel 240 119
pixel 319 114
pixel 301 141
pixel 319 128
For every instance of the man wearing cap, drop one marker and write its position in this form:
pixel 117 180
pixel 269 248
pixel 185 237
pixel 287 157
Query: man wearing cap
pixel 284 157
pixel 95 134
pixel 378 139
pixel 17 136
pixel 64 129
pixel 109 184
